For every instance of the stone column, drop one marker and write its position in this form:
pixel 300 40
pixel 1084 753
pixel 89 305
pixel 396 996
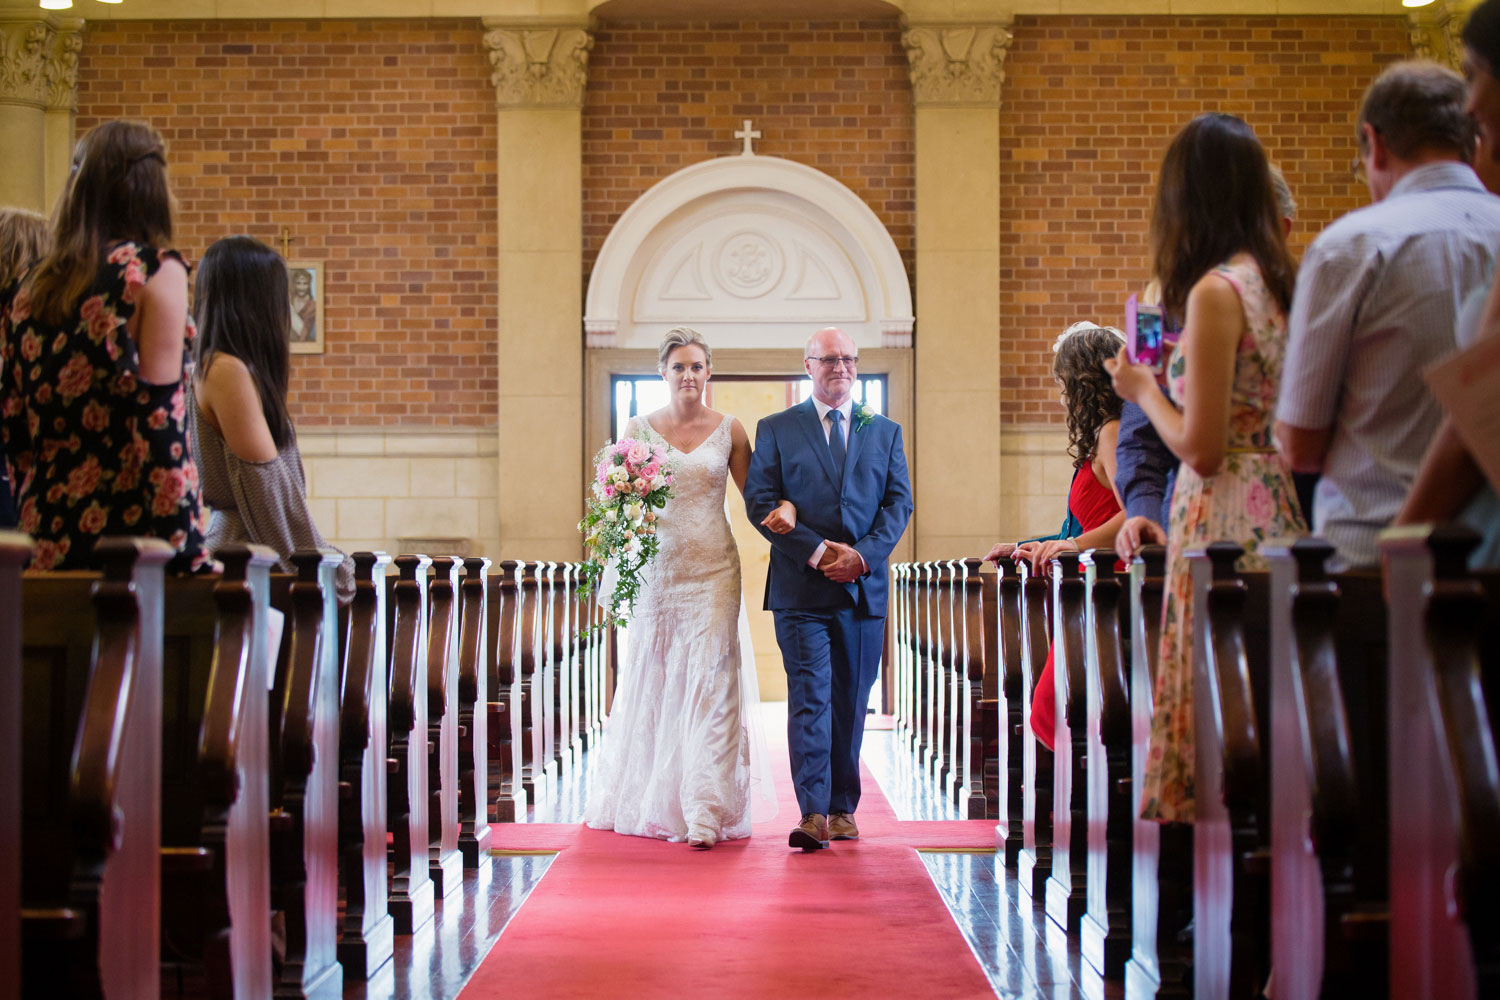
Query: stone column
pixel 62 107
pixel 38 73
pixel 956 73
pixel 540 71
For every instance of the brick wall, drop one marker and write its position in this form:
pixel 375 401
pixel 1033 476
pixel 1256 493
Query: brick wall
pixel 833 95
pixel 374 143
pixel 1090 104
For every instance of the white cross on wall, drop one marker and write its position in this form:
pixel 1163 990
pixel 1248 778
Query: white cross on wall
pixel 747 133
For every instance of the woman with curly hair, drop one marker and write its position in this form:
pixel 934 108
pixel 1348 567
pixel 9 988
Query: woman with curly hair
pixel 1093 508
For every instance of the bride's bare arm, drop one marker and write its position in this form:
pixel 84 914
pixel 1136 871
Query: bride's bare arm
pixel 739 453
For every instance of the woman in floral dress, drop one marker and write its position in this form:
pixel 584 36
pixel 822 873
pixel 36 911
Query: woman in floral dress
pixel 93 416
pixel 1221 257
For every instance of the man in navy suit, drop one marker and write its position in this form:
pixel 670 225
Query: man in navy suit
pixel 844 470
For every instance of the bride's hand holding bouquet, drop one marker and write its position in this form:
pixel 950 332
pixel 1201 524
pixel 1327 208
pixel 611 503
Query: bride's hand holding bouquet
pixel 632 483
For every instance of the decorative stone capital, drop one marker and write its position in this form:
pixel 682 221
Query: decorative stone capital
pixel 62 65
pixel 957 65
pixel 23 61
pixel 39 61
pixel 538 66
pixel 1435 32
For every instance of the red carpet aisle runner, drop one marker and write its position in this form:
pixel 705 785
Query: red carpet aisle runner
pixel 627 917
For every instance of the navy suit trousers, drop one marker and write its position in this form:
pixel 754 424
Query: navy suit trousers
pixel 831 657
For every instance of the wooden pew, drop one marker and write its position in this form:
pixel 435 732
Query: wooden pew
pixel 980 776
pixel 546 640
pixel 91 775
pixel 1442 932
pixel 1330 827
pixel 367 932
pixel 1161 879
pixel 901 578
pixel 1462 631
pixel 1067 885
pixel 411 888
pixel 1010 830
pixel 1035 859
pixel 945 679
pixel 304 794
pixel 1105 932
pixel 15 549
pixel 1231 832
pixel 535 777
pixel 445 862
pixel 927 645
pixel 505 732
pixel 216 884
pixel 565 636
pixel 475 654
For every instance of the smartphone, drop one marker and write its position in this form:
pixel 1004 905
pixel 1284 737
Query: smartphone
pixel 1145 330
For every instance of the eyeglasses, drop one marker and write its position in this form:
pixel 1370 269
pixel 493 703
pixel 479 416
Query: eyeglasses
pixel 834 360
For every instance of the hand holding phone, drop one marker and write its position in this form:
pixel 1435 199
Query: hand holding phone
pixel 1145 327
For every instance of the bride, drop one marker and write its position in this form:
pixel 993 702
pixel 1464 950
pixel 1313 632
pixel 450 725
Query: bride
pixel 676 763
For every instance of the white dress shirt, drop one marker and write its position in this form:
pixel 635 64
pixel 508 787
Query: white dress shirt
pixel 847 409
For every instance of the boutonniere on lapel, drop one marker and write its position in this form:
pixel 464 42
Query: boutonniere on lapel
pixel 863 414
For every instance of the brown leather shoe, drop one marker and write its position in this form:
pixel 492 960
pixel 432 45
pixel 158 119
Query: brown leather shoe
pixel 811 834
pixel 841 827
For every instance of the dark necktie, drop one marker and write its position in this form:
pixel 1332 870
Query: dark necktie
pixel 836 442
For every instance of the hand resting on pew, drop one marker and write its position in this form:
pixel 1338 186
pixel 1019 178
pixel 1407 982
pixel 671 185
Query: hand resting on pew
pixel 1136 533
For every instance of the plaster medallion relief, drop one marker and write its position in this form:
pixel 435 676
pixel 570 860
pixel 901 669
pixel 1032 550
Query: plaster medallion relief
pixel 957 64
pixel 754 261
pixel 23 59
pixel 538 67
pixel 750 264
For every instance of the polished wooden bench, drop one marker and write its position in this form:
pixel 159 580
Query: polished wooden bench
pixel 1035 859
pixel 1105 930
pixel 91 731
pixel 15 550
pixel 505 733
pixel 411 888
pixel 1161 880
pixel 1329 795
pixel 366 931
pixel 475 656
pixel 216 885
pixel 1231 830
pixel 445 863
pixel 304 792
pixel 1067 884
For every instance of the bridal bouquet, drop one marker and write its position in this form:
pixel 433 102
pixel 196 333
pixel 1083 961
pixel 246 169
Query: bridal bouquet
pixel 632 481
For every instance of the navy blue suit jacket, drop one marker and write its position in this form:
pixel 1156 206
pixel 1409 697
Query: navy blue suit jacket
pixel 868 510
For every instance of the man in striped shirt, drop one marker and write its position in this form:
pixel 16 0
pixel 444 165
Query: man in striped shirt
pixel 1377 296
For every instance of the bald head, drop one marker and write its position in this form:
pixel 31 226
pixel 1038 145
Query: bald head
pixel 833 380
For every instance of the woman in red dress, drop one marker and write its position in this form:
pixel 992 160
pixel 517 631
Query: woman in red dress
pixel 1093 508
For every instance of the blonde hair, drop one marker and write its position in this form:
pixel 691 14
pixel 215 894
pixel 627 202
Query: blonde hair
pixel 682 336
pixel 25 238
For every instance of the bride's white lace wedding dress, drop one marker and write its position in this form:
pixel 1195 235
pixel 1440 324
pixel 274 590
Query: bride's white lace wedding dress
pixel 676 760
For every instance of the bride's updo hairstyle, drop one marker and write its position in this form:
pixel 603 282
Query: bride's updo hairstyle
pixel 682 336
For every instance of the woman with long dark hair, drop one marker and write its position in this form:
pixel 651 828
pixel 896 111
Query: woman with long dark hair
pixel 242 430
pixel 92 351
pixel 1220 253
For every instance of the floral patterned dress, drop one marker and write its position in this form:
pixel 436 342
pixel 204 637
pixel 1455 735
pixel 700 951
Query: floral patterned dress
pixel 1250 500
pixel 94 449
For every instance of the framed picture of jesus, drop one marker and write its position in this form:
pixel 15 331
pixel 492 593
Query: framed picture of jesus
pixel 308 332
